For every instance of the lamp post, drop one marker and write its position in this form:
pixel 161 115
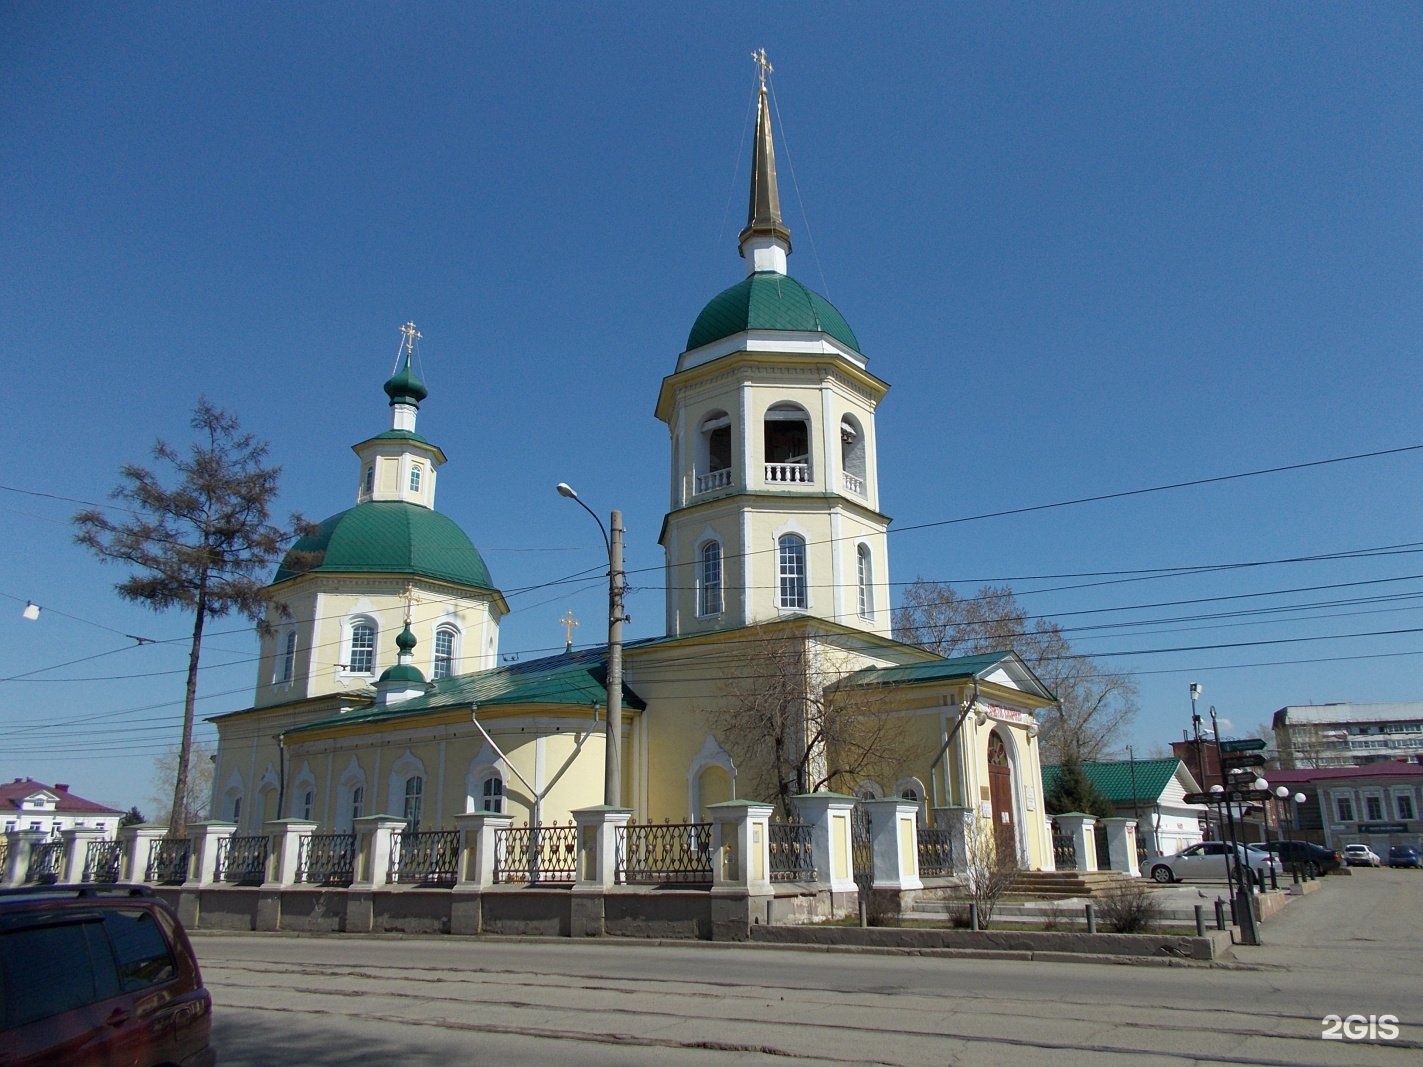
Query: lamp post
pixel 1239 887
pixel 613 738
pixel 1196 726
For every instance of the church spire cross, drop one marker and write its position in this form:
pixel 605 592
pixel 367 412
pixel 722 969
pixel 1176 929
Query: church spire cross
pixel 759 56
pixel 569 622
pixel 411 336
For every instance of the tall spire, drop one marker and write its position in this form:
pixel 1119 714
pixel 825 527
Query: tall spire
pixel 765 242
pixel 405 388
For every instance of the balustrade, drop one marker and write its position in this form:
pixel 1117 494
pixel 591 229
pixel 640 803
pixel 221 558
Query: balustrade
pixel 103 861
pixel 168 861
pixel 705 483
pixel 936 852
pixel 792 473
pixel 46 861
pixel 854 484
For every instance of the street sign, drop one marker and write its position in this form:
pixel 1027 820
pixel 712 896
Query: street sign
pixel 1245 744
pixel 1243 759
pixel 1230 796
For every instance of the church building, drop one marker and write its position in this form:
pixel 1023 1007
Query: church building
pixel 380 689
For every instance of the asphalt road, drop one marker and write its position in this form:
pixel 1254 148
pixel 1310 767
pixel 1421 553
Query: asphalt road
pixel 1353 948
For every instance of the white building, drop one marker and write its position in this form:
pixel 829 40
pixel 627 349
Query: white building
pixel 1348 735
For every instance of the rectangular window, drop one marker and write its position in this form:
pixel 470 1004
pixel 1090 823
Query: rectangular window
pixel 363 649
pixel 1403 804
pixel 414 788
pixel 289 657
pixel 358 802
pixel 792 573
pixel 709 588
pixel 444 654
pixel 1345 807
pixel 864 578
pixel 1373 807
pixel 140 949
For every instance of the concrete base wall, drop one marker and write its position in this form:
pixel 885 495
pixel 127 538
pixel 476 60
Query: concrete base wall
pixel 1029 943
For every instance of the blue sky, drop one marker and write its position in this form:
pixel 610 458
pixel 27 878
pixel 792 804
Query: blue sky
pixel 1093 248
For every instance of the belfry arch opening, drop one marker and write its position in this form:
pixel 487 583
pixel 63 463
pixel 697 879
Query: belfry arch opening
pixel 787 443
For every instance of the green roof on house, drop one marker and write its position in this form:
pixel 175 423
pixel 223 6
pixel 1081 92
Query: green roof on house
pixel 388 537
pixel 1113 778
pixel 933 671
pixel 573 679
pixel 768 300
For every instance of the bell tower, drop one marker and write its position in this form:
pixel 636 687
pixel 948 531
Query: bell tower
pixel 774 507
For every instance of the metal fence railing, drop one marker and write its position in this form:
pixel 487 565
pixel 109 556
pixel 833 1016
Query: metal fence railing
pixel 536 854
pixel 936 852
pixel 46 861
pixel 326 859
pixel 426 858
pixel 655 853
pixel 168 861
pixel 242 860
pixel 792 857
pixel 103 861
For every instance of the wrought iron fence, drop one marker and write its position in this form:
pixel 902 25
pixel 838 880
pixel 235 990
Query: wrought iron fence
pixel 792 859
pixel 654 853
pixel 4 852
pixel 1064 852
pixel 428 858
pixel 536 854
pixel 242 860
pixel 46 861
pixel 326 859
pixel 862 852
pixel 168 861
pixel 936 852
pixel 103 861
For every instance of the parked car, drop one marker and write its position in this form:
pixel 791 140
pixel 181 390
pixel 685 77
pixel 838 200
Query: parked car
pixel 93 975
pixel 1361 856
pixel 1207 862
pixel 1403 856
pixel 1314 859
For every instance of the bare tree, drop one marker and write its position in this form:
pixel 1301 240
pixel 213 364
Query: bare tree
pixel 204 544
pixel 794 724
pixel 1095 704
pixel 198 799
pixel 992 869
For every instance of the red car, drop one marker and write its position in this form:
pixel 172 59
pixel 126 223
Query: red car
pixel 96 975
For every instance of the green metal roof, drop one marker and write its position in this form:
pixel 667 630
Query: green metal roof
pixel 388 537
pixel 573 679
pixel 768 300
pixel 1113 778
pixel 934 671
pixel 400 435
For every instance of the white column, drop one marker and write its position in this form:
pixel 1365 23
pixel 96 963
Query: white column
pixel 1121 844
pixel 373 847
pixel 828 815
pixel 137 841
pixel 76 850
pixel 17 856
pixel 1083 829
pixel 203 840
pixel 286 838
pixel 598 845
pixel 894 838
pixel 478 839
pixel 741 845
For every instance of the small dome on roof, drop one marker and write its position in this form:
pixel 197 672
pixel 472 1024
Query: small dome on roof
pixel 768 300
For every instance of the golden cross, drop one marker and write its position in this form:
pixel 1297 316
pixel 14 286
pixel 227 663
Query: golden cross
pixel 410 599
pixel 411 336
pixel 761 61
pixel 569 622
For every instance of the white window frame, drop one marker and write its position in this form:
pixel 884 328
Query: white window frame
pixel 352 627
pixel 445 632
pixel 709 584
pixel 415 477
pixel 414 802
pixel 792 573
pixel 491 792
pixel 288 659
pixel 865 582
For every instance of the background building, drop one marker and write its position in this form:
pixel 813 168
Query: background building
pixel 26 804
pixel 1348 735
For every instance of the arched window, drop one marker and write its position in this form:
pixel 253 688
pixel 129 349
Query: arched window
pixel 492 793
pixel 852 455
pixel 709 580
pixel 358 802
pixel 864 576
pixel 289 656
pixel 791 568
pixel 370 479
pixel 415 478
pixel 361 657
pixel 714 452
pixel 414 796
pixel 787 444
pixel 444 653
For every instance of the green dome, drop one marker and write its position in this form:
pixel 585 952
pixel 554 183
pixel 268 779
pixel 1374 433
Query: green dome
pixel 403 672
pixel 388 537
pixel 768 300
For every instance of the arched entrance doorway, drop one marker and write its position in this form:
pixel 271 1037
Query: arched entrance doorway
pixel 1000 792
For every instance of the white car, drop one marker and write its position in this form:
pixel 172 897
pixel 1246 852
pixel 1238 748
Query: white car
pixel 1206 862
pixel 1361 856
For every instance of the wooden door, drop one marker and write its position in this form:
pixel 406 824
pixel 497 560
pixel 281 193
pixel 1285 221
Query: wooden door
pixel 1000 791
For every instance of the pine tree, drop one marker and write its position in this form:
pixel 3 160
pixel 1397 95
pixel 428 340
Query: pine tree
pixel 203 545
pixel 1074 791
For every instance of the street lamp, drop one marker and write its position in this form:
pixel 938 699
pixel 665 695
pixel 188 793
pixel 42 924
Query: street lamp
pixel 612 745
